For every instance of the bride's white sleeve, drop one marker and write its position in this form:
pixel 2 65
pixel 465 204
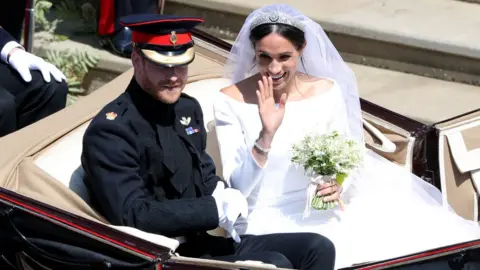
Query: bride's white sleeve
pixel 240 169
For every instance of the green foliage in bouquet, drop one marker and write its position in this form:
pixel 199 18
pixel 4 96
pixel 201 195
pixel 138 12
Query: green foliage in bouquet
pixel 327 155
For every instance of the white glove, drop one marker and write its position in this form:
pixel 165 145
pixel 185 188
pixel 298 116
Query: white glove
pixel 230 204
pixel 23 62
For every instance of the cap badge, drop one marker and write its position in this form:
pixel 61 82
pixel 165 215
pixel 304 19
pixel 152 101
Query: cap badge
pixel 111 115
pixel 173 37
pixel 274 17
pixel 185 121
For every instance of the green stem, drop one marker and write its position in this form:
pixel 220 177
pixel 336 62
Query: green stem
pixel 319 204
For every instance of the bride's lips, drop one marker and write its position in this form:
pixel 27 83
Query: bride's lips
pixel 276 78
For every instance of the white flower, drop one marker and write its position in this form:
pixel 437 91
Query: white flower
pixel 327 154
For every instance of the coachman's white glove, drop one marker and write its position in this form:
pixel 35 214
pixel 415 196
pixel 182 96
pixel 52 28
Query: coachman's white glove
pixel 231 204
pixel 20 60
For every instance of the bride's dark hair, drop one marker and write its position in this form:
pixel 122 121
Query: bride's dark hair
pixel 293 34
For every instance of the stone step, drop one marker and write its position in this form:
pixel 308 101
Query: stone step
pixel 108 67
pixel 439 99
pixel 347 24
pixel 433 38
pixel 471 1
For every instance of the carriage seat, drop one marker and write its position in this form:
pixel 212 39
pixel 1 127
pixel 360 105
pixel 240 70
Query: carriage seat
pixel 62 162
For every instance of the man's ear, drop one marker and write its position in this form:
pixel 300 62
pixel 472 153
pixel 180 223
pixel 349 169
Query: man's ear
pixel 136 59
pixel 137 63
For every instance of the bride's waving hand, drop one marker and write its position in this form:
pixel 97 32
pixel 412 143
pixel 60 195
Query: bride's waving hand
pixel 270 114
pixel 271 117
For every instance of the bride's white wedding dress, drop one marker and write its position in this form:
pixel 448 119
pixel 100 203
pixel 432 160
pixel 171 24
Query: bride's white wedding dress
pixel 389 212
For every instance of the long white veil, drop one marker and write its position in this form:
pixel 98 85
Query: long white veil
pixel 319 59
pixel 389 212
pixel 379 178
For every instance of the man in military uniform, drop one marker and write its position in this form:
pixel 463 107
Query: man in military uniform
pixel 27 92
pixel 146 165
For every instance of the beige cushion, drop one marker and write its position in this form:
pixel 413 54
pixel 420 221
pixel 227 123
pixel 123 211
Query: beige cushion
pixel 62 162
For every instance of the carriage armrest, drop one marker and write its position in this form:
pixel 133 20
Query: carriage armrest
pixel 459 164
pixel 466 161
pixel 387 146
pixel 161 240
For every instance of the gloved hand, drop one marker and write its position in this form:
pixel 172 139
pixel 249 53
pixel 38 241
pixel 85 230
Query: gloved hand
pixel 230 204
pixel 23 62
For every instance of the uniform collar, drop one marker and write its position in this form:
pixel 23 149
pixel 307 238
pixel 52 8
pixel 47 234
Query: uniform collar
pixel 149 107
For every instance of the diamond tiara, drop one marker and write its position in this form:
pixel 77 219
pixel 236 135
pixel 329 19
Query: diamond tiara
pixel 276 17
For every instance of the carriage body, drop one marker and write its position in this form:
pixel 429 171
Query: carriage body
pixel 47 223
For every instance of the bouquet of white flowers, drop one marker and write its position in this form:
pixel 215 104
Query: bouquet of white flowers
pixel 325 158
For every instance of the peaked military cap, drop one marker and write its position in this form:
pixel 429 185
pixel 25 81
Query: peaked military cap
pixel 163 39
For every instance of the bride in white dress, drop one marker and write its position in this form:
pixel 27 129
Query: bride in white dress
pixel 389 212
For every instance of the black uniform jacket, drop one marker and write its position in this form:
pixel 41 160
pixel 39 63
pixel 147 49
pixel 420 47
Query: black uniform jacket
pixel 146 165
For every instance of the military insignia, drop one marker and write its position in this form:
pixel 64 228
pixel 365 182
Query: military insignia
pixel 191 130
pixel 173 37
pixel 185 121
pixel 111 115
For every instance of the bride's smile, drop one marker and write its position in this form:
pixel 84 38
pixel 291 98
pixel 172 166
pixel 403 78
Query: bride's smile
pixel 277 78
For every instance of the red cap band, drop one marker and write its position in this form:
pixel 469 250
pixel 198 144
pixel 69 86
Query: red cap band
pixel 162 40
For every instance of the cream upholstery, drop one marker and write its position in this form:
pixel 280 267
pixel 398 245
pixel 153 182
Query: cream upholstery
pixel 62 161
